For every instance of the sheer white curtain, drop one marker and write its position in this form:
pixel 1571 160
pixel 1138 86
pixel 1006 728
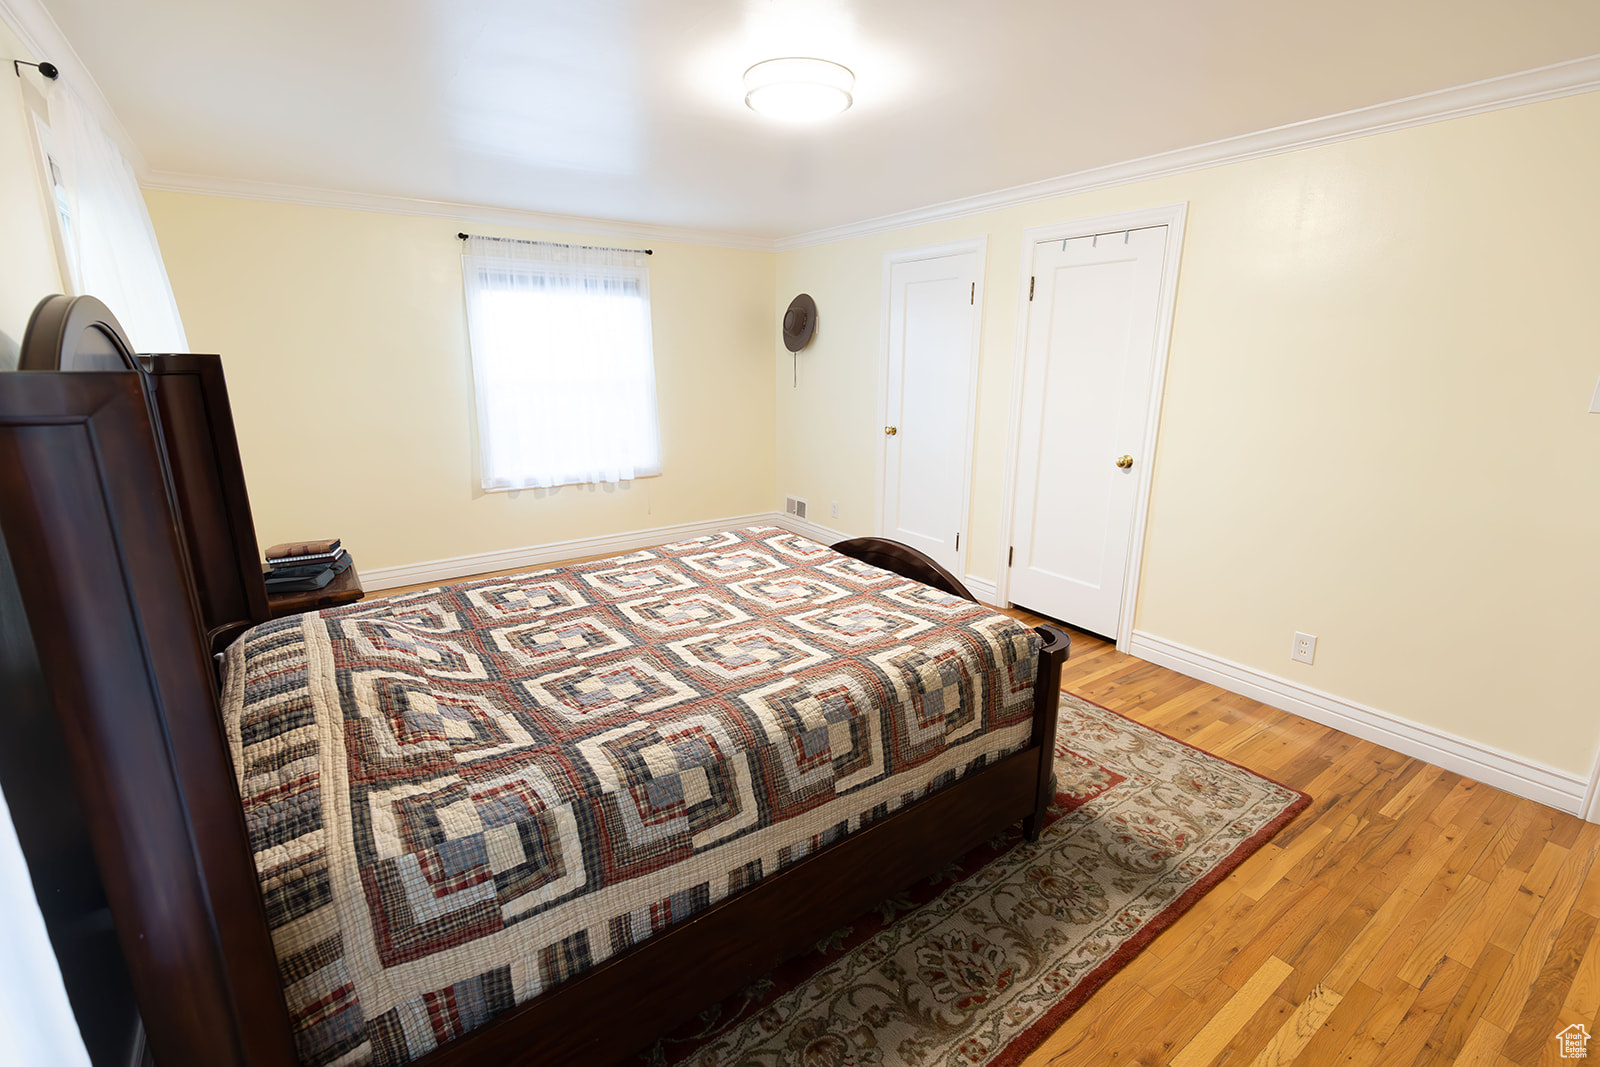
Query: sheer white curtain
pixel 561 362
pixel 111 245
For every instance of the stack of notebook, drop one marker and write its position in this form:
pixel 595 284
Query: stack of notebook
pixel 304 566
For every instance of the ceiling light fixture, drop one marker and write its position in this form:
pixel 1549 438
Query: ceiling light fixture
pixel 797 89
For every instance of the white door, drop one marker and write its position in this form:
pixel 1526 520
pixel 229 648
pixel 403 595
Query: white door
pixel 933 316
pixel 1089 358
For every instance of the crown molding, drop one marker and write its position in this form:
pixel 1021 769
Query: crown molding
pixel 42 37
pixel 1492 94
pixel 245 189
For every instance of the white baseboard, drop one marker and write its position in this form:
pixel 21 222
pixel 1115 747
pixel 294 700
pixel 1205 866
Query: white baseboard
pixel 982 588
pixel 442 570
pixel 1547 785
pixel 806 528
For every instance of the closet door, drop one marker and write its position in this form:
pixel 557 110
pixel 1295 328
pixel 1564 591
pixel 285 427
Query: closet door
pixel 1089 358
pixel 932 353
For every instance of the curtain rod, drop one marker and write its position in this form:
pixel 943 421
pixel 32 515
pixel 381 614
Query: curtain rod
pixel 594 248
pixel 48 69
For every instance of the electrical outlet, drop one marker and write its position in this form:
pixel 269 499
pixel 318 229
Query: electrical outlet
pixel 834 511
pixel 1305 648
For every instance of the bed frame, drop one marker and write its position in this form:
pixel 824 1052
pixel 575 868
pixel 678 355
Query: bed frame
pixel 123 505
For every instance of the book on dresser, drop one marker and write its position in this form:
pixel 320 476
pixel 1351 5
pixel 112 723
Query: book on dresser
pixel 294 553
pixel 304 566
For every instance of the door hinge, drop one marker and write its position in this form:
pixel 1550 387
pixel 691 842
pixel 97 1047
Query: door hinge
pixel 972 297
pixel 958 542
pixel 1011 556
pixel 1030 289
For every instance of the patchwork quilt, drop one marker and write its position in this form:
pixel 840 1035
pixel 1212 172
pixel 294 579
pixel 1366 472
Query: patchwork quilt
pixel 461 797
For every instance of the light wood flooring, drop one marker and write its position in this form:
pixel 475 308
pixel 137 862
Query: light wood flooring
pixel 1408 916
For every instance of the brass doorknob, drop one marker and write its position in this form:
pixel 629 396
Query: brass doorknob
pixel 891 430
pixel 1124 462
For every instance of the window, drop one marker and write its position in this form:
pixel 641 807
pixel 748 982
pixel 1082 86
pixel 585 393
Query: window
pixel 561 363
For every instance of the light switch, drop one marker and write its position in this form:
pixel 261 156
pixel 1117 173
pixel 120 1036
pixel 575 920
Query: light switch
pixel 1594 405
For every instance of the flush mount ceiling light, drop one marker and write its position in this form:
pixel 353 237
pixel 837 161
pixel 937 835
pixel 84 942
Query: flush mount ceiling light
pixel 797 89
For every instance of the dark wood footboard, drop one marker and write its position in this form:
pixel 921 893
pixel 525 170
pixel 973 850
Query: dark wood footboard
pixel 1046 718
pixel 904 561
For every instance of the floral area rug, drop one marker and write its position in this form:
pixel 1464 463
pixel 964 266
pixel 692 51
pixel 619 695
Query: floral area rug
pixel 979 964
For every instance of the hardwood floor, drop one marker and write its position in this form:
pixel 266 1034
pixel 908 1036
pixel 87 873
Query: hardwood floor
pixel 1408 916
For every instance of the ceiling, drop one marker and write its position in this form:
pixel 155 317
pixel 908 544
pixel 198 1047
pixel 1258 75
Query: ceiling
pixel 634 110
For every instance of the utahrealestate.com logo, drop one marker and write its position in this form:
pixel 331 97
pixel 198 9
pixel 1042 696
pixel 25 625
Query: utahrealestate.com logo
pixel 1574 1041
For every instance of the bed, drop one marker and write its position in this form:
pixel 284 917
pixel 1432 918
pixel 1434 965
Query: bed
pixel 536 819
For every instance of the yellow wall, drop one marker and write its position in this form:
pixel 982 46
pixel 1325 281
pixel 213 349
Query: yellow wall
pixel 344 340
pixel 28 260
pixel 1374 423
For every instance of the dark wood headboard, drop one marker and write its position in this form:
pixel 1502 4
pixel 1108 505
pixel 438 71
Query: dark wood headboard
pixel 91 520
pixel 190 412
pixel 213 505
pixel 75 334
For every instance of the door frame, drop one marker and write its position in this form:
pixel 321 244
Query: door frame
pixel 980 246
pixel 1172 216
